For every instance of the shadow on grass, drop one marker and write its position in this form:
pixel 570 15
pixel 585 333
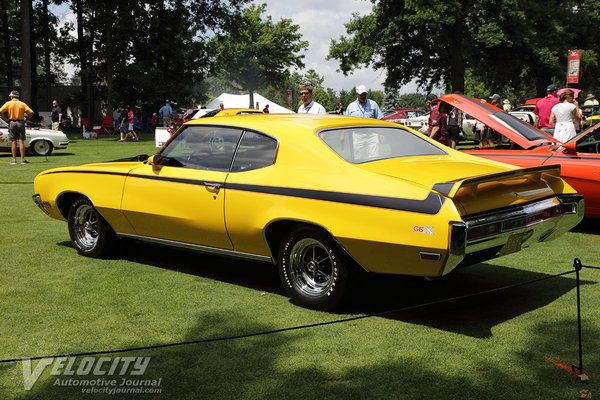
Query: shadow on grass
pixel 279 366
pixel 255 275
pixel 473 316
pixel 588 225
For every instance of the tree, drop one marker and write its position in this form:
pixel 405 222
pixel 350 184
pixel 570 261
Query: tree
pixel 502 43
pixel 259 52
pixel 143 53
pixel 26 40
pixel 393 99
pixel 7 42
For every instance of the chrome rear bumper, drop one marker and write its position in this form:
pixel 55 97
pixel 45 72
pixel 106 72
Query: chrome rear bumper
pixel 488 235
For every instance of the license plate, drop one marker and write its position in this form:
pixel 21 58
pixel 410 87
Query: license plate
pixel 512 245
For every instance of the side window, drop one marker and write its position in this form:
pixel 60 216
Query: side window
pixel 203 147
pixel 255 151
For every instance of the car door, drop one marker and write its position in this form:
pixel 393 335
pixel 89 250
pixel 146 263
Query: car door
pixel 180 197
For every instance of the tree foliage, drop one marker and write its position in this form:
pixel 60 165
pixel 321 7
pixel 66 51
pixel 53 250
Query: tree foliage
pixel 259 52
pixel 502 44
pixel 125 52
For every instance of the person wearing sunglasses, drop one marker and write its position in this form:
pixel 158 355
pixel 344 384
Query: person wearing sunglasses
pixel 309 106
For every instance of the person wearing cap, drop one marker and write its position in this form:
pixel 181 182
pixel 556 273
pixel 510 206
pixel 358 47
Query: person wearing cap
pixel 590 100
pixel 506 105
pixel 165 114
pixel 363 107
pixel 365 144
pixel 543 109
pixel 16 111
pixel 309 106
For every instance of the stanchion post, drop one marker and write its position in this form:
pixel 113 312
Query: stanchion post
pixel 577 266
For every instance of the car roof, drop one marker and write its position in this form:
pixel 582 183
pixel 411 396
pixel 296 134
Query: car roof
pixel 272 123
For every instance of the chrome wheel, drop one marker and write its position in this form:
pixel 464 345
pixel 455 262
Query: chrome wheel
pixel 90 233
pixel 85 226
pixel 311 266
pixel 314 270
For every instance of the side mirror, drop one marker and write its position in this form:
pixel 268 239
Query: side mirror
pixel 155 160
pixel 570 147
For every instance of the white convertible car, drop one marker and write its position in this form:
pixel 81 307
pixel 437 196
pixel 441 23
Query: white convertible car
pixel 39 142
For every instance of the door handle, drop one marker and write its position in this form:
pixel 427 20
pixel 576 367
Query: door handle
pixel 213 186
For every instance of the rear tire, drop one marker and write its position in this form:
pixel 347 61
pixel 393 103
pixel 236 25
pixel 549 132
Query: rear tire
pixel 90 233
pixel 315 272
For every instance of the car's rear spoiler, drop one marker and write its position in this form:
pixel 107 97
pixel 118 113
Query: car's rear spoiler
pixel 484 192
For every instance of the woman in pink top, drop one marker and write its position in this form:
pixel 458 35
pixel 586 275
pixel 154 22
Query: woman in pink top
pixel 131 117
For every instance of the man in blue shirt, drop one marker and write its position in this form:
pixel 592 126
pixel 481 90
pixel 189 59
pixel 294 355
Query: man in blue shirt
pixel 363 107
pixel 165 113
pixel 365 145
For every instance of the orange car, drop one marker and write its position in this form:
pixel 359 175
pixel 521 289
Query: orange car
pixel 527 146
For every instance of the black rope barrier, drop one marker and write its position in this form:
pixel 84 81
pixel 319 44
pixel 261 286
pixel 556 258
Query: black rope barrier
pixel 293 328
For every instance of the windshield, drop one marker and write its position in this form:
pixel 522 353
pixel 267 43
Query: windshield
pixel 590 134
pixel 371 143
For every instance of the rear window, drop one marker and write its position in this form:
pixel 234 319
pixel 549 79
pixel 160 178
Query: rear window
pixel 365 144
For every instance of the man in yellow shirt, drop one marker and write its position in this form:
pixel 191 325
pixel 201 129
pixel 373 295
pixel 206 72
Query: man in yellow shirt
pixel 16 111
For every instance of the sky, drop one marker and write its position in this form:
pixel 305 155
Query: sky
pixel 320 21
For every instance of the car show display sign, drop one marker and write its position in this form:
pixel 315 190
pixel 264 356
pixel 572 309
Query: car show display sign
pixel 573 67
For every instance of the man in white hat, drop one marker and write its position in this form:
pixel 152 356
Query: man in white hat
pixel 363 107
pixel 16 111
pixel 590 100
pixel 365 144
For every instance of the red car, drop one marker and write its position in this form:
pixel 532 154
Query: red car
pixel 579 157
pixel 396 114
pixel 177 122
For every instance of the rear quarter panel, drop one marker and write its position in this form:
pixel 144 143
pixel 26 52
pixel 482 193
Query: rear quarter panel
pixel 381 239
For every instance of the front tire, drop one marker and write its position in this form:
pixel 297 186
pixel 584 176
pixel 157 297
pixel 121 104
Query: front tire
pixel 90 233
pixel 315 271
pixel 41 148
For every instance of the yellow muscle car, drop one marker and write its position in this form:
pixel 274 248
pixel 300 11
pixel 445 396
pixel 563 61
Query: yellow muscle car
pixel 322 197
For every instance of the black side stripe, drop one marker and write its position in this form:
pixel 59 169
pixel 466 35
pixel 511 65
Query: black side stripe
pixel 444 188
pixel 431 205
pixel 157 178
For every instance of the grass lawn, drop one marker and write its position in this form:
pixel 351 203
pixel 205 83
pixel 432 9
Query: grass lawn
pixel 53 301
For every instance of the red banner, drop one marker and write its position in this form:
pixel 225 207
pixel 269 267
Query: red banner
pixel 573 67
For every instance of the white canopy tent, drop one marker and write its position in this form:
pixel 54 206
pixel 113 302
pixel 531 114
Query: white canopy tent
pixel 243 100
